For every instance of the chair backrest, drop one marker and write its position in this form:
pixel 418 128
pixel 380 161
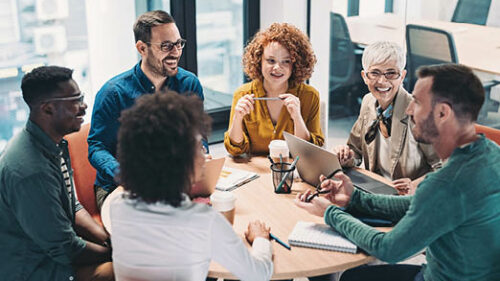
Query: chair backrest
pixel 491 133
pixel 471 11
pixel 342 58
pixel 83 173
pixel 426 46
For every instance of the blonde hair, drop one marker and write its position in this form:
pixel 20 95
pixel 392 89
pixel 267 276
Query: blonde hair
pixel 384 52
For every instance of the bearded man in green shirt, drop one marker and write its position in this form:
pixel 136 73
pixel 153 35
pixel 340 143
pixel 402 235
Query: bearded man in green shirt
pixel 455 212
pixel 45 234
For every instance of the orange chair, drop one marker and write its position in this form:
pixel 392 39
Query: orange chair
pixel 491 133
pixel 83 173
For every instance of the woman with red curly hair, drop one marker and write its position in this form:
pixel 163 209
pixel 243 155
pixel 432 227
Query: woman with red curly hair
pixel 278 60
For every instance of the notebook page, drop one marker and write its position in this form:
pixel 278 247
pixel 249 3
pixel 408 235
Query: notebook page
pixel 320 236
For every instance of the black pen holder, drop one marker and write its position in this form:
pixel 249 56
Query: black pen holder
pixel 282 177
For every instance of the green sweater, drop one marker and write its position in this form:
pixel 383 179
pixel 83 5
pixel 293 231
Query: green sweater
pixel 37 239
pixel 455 213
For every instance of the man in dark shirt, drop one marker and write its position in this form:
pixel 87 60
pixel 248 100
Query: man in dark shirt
pixel 160 45
pixel 45 234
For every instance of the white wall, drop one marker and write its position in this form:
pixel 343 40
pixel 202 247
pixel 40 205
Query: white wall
pixel 111 41
pixel 295 12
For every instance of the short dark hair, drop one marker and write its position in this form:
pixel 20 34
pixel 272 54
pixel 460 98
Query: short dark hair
pixel 157 145
pixel 42 82
pixel 457 85
pixel 143 24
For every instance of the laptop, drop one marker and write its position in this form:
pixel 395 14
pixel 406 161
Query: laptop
pixel 315 161
pixel 211 173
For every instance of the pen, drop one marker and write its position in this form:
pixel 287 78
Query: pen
pixel 318 192
pixel 268 98
pixel 287 174
pixel 275 238
pixel 270 159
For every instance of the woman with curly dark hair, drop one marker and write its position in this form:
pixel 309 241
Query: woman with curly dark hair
pixel 278 60
pixel 158 233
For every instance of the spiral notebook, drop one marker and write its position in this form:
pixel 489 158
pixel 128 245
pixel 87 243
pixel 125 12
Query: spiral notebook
pixel 319 236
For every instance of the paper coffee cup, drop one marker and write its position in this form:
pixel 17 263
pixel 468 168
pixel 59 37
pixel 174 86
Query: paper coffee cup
pixel 277 147
pixel 224 202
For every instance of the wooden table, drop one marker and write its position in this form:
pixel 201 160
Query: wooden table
pixel 256 200
pixel 477 46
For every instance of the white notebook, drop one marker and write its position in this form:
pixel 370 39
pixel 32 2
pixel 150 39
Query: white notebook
pixel 231 178
pixel 320 236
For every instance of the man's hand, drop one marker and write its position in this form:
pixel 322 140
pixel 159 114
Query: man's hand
pixel 257 229
pixel 406 186
pixel 345 154
pixel 317 206
pixel 340 189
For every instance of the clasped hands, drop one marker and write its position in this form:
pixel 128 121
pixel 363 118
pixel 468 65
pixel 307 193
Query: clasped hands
pixel 245 105
pixel 339 190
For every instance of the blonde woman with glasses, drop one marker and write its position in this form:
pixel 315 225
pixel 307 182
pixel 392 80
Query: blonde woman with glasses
pixel 381 136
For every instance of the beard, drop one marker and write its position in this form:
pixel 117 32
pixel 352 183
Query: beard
pixel 160 67
pixel 428 129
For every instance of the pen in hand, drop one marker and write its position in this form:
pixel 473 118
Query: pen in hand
pixel 318 187
pixel 275 238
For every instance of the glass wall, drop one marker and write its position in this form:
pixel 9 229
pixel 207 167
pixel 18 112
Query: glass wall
pixel 357 23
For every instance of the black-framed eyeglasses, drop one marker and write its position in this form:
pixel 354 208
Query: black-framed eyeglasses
pixel 389 75
pixel 78 98
pixel 168 46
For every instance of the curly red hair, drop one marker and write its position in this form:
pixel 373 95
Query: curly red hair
pixel 290 37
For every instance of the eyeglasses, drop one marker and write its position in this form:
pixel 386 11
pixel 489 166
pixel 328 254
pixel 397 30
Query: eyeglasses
pixel 389 75
pixel 169 46
pixel 78 98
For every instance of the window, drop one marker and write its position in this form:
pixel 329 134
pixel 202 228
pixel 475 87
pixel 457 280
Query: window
pixel 37 33
pixel 219 35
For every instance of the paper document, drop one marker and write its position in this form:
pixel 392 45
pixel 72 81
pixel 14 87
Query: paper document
pixel 231 178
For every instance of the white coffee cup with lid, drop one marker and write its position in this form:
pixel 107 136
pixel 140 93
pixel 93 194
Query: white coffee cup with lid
pixel 224 202
pixel 277 147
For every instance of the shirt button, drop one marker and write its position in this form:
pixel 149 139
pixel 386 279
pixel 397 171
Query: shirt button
pixel 152 87
pixel 71 278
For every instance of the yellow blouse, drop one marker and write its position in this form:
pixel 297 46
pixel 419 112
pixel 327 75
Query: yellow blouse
pixel 258 129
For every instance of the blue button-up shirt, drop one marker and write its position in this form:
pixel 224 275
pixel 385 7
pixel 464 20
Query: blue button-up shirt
pixel 118 94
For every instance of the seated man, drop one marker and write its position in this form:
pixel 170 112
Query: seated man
pixel 45 234
pixel 382 134
pixel 454 213
pixel 158 233
pixel 160 45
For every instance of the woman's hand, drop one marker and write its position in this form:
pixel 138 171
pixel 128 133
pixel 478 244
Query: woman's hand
pixel 243 107
pixel 292 105
pixel 257 229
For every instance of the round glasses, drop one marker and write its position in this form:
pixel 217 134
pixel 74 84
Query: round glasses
pixel 168 46
pixel 389 75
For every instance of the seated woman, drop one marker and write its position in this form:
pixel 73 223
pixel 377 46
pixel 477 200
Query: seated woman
pixel 158 233
pixel 381 135
pixel 278 60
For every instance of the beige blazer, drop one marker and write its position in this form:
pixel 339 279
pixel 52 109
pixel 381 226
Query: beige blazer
pixel 409 158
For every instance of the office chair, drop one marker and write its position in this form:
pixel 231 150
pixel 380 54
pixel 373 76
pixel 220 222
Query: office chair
pixel 491 133
pixel 426 46
pixel 471 11
pixel 344 71
pixel 83 173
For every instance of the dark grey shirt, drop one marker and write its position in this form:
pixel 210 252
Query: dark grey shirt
pixel 37 239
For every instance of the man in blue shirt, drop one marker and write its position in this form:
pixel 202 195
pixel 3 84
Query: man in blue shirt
pixel 45 234
pixel 160 45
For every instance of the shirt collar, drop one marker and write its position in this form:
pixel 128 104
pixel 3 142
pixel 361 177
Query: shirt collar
pixel 44 140
pixel 143 79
